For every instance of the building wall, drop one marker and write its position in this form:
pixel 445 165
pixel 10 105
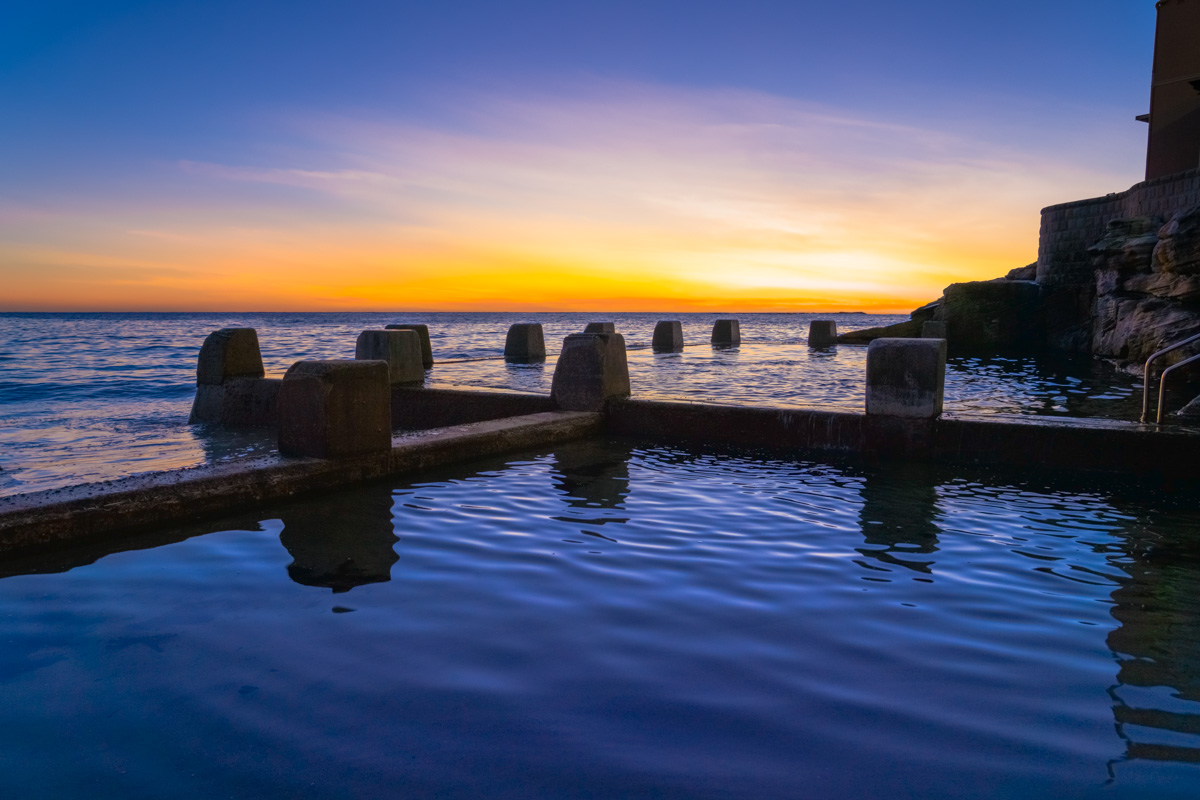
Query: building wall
pixel 1174 142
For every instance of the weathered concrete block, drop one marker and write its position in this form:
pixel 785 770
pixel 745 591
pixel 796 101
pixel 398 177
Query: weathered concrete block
pixel 334 409
pixel 726 332
pixel 423 332
pixel 668 337
pixel 229 353
pixel 401 349
pixel 906 377
pixel 933 330
pixel 238 401
pixel 591 370
pixel 525 343
pixel 230 388
pixel 600 327
pixel 822 333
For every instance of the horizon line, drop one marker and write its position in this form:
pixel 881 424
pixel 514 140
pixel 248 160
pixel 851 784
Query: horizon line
pixel 435 311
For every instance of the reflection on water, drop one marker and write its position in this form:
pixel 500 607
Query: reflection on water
pixel 729 626
pixel 593 477
pixel 344 545
pixel 898 517
pixel 1156 699
pixel 592 474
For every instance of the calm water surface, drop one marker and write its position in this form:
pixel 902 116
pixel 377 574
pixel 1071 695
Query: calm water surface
pixel 87 397
pixel 609 620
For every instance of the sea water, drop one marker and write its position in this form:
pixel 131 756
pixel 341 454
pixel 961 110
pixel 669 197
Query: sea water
pixel 607 619
pixel 87 397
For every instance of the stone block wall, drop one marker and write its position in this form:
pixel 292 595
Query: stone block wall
pixel 1066 269
pixel 1069 229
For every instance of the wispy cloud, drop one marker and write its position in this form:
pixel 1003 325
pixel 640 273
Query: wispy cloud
pixel 644 193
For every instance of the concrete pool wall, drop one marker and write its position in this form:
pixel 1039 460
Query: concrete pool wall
pixel 438 427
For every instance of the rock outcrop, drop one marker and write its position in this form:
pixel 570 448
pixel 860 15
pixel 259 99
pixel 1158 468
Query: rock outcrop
pixel 909 329
pixel 1001 315
pixel 1137 292
pixel 1147 290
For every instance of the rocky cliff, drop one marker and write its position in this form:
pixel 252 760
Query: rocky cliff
pixel 1136 291
pixel 1147 286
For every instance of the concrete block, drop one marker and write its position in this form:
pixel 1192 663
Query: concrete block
pixel 933 330
pixel 822 333
pixel 525 343
pixel 423 332
pixel 591 371
pixel 906 377
pixel 238 401
pixel 401 349
pixel 229 353
pixel 600 327
pixel 230 387
pixel 668 337
pixel 726 333
pixel 335 409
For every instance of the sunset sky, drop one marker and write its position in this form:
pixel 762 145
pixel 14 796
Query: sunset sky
pixel 550 154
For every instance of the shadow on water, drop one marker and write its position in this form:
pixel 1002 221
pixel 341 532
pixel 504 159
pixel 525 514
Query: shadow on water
pixel 898 516
pixel 334 545
pixel 343 545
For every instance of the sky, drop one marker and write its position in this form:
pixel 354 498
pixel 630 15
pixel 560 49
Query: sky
pixel 530 155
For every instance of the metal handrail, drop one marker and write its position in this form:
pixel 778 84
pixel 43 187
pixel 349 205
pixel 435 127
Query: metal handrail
pixel 1162 379
pixel 1162 383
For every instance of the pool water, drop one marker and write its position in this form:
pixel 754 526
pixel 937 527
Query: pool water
pixel 610 619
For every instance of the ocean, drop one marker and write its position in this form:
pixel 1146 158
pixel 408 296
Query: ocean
pixel 88 397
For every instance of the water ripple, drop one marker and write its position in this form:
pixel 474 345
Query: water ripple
pixel 609 619
pixel 98 396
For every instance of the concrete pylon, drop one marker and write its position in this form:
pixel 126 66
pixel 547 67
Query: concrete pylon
pixel 230 387
pixel 726 333
pixel 591 370
pixel 906 377
pixel 400 348
pixel 229 353
pixel 423 332
pixel 668 337
pixel 822 333
pixel 525 343
pixel 335 409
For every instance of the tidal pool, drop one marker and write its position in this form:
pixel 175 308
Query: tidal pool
pixel 610 619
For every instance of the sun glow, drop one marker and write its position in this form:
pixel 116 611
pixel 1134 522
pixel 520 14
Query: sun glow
pixel 629 197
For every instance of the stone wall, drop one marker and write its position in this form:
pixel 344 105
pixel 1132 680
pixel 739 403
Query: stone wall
pixel 1069 229
pixel 1066 269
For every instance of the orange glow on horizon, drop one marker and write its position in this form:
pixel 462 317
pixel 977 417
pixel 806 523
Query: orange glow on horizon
pixel 642 200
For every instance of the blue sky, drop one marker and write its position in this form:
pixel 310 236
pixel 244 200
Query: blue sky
pixel 111 105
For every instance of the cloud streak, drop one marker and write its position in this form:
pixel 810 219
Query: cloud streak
pixel 649 196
